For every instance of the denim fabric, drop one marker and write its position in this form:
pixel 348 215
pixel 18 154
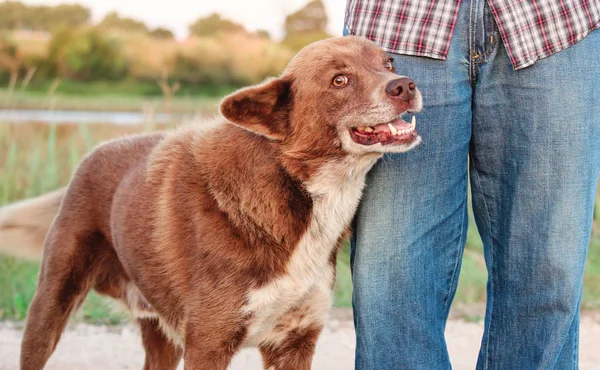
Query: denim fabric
pixel 531 141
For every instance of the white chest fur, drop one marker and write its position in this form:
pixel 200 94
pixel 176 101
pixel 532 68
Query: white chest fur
pixel 336 192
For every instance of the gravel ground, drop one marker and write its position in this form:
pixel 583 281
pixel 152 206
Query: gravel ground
pixel 98 347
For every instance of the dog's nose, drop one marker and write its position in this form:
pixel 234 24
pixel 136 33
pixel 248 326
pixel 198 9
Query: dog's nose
pixel 403 88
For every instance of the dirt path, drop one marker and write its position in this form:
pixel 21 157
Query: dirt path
pixel 103 348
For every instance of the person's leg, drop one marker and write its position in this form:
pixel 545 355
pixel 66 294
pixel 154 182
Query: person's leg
pixel 410 229
pixel 535 162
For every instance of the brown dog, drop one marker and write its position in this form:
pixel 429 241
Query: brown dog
pixel 226 237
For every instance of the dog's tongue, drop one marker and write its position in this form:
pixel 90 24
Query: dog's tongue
pixel 398 124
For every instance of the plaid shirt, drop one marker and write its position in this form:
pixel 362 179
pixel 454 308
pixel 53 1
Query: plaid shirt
pixel 531 29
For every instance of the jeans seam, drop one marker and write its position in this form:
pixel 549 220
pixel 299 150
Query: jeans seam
pixel 490 52
pixel 490 298
pixel 472 66
pixel 494 40
pixel 576 348
pixel 577 332
pixel 458 257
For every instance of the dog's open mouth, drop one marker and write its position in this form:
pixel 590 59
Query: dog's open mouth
pixel 397 131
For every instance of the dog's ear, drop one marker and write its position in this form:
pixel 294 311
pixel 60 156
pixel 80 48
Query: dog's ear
pixel 262 108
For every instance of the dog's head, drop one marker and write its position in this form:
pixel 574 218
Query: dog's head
pixel 337 96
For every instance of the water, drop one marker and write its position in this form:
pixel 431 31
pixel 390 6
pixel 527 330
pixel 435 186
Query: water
pixel 87 117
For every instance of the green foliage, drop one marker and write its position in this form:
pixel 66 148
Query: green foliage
pixel 66 15
pixel 311 19
pixel 231 59
pixel 191 67
pixel 17 286
pixel 123 49
pixel 212 25
pixel 113 21
pixel 86 55
pixel 15 15
pixel 343 281
pixel 305 26
pixel 161 33
pixel 12 15
pixel 7 46
pixel 298 41
pixel 473 278
pixel 264 34
pixel 9 59
pixel 120 97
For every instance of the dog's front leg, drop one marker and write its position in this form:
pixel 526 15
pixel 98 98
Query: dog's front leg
pixel 210 345
pixel 291 344
pixel 294 352
pixel 161 353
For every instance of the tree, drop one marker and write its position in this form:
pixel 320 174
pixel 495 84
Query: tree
pixel 264 34
pixel 10 61
pixel 310 19
pixel 113 21
pixel 15 15
pixel 306 25
pixel 86 54
pixel 12 15
pixel 69 15
pixel 214 24
pixel 168 90
pixel 161 33
pixel 13 62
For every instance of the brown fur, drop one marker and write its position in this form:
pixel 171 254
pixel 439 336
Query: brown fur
pixel 223 237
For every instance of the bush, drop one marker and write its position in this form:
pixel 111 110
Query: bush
pixel 218 62
pixel 147 57
pixel 8 54
pixel 86 55
pixel 230 59
pixel 297 42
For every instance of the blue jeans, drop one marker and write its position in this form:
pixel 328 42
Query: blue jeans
pixel 530 140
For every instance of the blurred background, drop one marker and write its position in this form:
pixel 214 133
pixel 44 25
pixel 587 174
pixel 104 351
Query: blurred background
pixel 72 75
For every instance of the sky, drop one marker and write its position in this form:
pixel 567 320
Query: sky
pixel 176 15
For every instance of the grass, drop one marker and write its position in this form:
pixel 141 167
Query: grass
pixel 183 102
pixel 343 283
pixel 127 87
pixel 35 158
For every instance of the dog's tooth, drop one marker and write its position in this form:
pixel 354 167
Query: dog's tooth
pixel 392 129
pixel 413 123
pixel 368 129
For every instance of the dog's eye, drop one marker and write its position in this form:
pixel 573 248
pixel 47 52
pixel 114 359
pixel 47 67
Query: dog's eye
pixel 389 65
pixel 339 81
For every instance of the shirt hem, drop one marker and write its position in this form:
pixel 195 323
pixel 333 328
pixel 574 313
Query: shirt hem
pixel 528 62
pixel 400 50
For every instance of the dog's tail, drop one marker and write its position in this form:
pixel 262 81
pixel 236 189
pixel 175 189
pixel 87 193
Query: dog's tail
pixel 24 225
